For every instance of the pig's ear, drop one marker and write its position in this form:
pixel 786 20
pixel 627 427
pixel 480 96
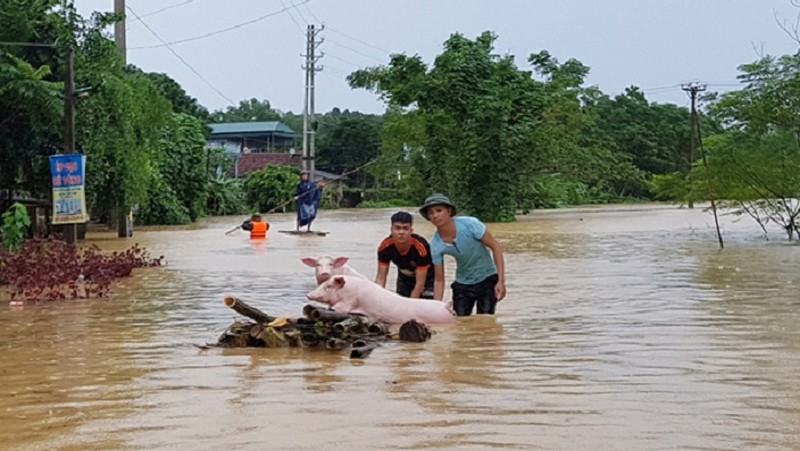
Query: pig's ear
pixel 312 262
pixel 339 281
pixel 340 261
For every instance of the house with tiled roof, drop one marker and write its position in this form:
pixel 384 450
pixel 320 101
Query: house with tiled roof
pixel 255 145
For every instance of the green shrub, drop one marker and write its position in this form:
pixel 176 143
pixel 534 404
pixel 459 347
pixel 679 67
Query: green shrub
pixel 271 187
pixel 15 226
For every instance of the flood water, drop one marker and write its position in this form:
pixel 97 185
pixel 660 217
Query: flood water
pixel 625 328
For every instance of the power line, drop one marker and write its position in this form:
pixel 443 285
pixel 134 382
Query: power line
pixel 662 88
pixel 208 83
pixel 337 72
pixel 343 60
pixel 224 30
pixel 291 16
pixel 298 11
pixel 360 41
pixel 356 51
pixel 166 8
pixel 353 38
pixel 312 13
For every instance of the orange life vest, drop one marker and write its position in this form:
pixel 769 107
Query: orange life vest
pixel 259 230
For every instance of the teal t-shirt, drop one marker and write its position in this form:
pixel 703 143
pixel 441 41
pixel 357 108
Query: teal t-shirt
pixel 473 260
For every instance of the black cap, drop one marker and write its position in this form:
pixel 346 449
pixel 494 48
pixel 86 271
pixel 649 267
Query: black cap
pixel 402 217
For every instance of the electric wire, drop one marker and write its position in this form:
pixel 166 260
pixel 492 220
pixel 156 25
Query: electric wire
pixel 291 16
pixel 166 8
pixel 180 58
pixel 224 30
pixel 298 11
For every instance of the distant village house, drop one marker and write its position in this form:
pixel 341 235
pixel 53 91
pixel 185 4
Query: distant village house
pixel 256 145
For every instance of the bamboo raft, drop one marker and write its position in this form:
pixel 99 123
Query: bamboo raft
pixel 318 327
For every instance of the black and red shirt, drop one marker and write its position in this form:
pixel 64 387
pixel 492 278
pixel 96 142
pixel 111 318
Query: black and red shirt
pixel 417 256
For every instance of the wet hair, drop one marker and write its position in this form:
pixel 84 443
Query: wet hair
pixel 402 217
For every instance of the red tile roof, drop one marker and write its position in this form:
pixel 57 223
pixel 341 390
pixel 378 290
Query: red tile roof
pixel 250 162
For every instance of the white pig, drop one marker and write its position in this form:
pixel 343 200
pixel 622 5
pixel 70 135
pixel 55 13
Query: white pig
pixel 348 294
pixel 325 267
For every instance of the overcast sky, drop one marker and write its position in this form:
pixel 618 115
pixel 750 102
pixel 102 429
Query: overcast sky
pixel 653 44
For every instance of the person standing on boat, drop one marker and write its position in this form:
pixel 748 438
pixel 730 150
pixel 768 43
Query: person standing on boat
pixel 412 255
pixel 307 196
pixel 480 275
pixel 256 226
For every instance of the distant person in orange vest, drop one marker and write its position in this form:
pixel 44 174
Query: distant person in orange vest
pixel 257 226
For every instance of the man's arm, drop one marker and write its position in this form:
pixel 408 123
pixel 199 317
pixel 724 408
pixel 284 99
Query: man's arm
pixel 438 281
pixel 419 285
pixel 497 254
pixel 383 271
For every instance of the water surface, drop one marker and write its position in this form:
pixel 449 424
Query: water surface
pixel 624 328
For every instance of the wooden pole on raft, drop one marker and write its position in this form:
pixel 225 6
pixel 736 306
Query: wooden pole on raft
pixel 247 310
pixel 318 314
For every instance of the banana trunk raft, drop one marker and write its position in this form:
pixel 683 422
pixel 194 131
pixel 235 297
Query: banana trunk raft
pixel 318 327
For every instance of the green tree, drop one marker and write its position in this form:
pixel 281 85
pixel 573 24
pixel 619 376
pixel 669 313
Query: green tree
pixel 655 136
pixel 270 187
pixel 16 224
pixel 225 196
pixel 402 167
pixel 347 142
pixel 178 190
pixel 755 164
pixel 477 108
pixel 29 105
pixel 31 94
pixel 252 110
pixel 181 102
pixel 120 128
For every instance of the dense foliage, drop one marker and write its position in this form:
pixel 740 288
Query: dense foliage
pixel 500 140
pixel 754 164
pixel 15 226
pixel 271 187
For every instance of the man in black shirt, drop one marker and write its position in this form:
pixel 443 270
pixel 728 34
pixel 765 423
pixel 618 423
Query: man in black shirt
pixel 412 255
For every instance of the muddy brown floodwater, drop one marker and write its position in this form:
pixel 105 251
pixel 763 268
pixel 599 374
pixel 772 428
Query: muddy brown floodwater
pixel 624 328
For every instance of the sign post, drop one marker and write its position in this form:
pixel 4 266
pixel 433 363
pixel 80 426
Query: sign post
pixel 69 196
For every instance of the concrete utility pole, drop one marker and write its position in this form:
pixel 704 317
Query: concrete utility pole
pixel 309 118
pixel 693 89
pixel 119 31
pixel 70 230
pixel 124 218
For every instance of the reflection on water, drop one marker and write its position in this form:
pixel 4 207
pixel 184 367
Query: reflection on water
pixel 624 328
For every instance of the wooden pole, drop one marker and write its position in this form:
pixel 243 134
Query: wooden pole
pixel 247 310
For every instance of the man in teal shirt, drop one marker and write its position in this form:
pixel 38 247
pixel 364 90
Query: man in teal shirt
pixel 480 275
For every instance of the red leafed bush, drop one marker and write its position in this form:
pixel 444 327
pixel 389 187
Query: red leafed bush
pixel 51 269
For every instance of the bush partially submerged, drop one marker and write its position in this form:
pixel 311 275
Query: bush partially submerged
pixel 51 269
